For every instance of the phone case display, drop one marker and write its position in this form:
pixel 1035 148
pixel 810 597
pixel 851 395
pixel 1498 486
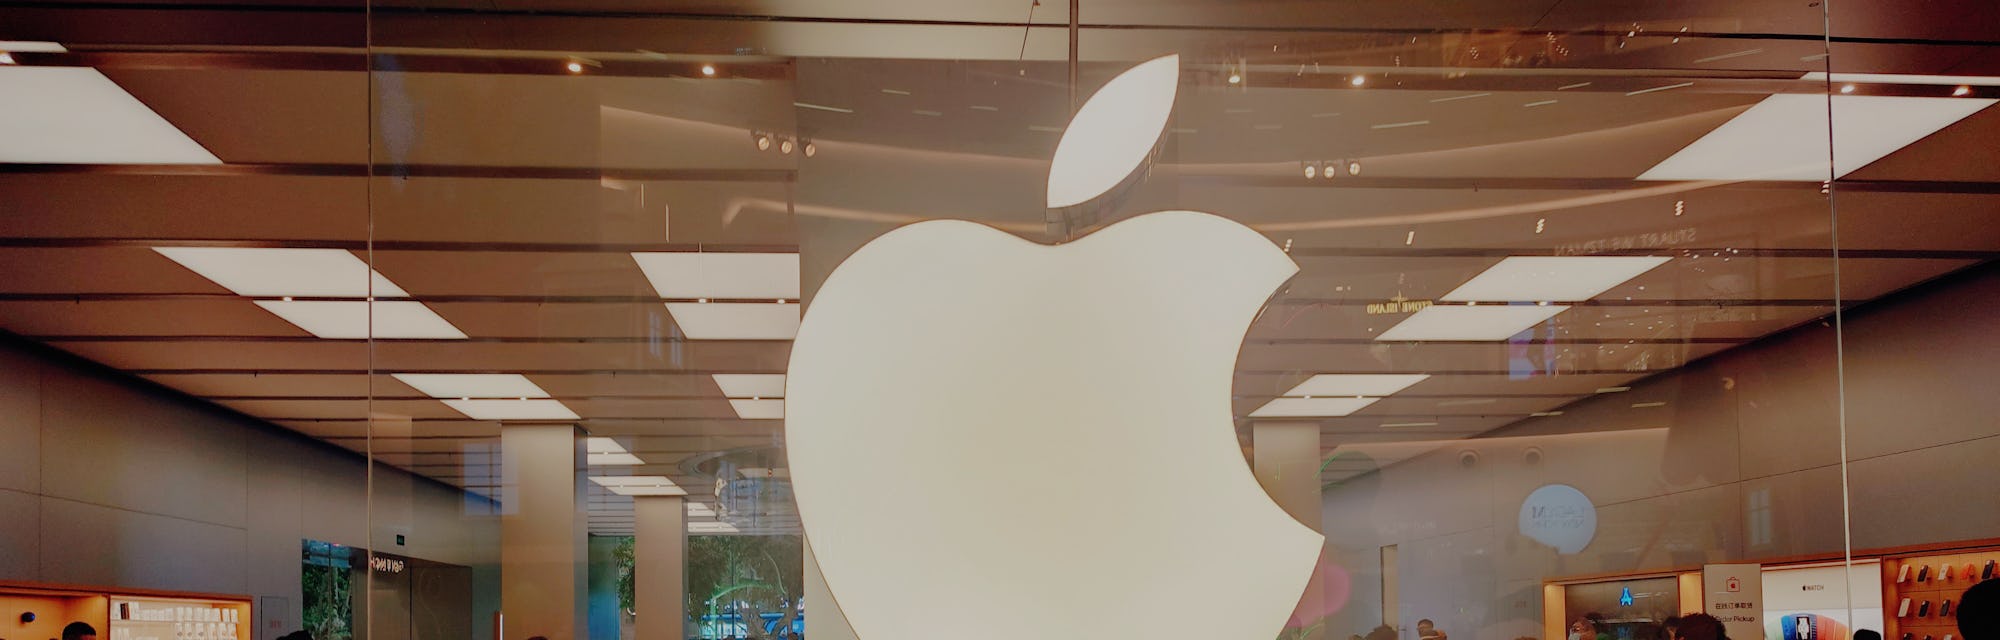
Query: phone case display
pixel 168 619
pixel 1923 591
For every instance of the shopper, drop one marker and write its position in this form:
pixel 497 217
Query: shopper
pixel 1867 634
pixel 1979 611
pixel 1670 627
pixel 1427 630
pixel 1701 626
pixel 1382 632
pixel 1583 628
pixel 79 631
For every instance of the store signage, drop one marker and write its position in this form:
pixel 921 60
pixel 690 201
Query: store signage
pixel 1560 516
pixel 1140 350
pixel 1397 305
pixel 1625 597
pixel 386 564
pixel 1735 595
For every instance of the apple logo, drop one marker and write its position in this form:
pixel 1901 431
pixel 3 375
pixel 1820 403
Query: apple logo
pixel 995 439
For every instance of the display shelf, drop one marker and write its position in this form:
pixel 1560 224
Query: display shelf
pixel 141 618
pixel 1928 583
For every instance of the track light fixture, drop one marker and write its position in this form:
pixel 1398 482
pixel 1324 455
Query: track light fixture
pixel 1327 169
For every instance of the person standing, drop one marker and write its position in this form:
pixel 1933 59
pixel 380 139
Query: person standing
pixel 79 631
pixel 1427 630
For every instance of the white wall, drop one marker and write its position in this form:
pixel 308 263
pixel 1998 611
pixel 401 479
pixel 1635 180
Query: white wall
pixel 1742 463
pixel 112 482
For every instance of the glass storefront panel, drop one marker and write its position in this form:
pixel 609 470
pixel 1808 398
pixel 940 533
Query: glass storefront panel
pixel 1502 320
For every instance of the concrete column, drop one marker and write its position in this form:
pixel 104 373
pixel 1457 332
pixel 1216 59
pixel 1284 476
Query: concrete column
pixel 824 620
pixel 544 562
pixel 1285 457
pixel 659 564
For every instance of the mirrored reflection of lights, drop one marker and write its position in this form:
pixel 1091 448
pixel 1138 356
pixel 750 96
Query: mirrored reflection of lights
pixel 575 67
pixel 1358 80
pixel 1847 88
pixel 708 70
pixel 1235 78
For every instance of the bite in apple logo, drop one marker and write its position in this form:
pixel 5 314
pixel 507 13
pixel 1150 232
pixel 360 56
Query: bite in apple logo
pixel 995 439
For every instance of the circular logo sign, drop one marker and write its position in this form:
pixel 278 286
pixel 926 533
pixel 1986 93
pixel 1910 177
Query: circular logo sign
pixel 1559 516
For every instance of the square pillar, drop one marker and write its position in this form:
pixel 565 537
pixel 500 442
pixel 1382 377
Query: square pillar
pixel 544 558
pixel 1285 457
pixel 659 565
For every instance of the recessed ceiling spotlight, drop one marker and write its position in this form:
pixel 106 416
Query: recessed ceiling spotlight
pixel 810 149
pixel 574 67
pixel 786 145
pixel 1312 170
pixel 1847 88
pixel 1358 80
pixel 763 141
pixel 1961 91
pixel 708 70
pixel 1235 78
pixel 1354 167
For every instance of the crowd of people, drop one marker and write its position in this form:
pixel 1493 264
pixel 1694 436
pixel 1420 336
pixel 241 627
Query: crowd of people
pixel 1978 619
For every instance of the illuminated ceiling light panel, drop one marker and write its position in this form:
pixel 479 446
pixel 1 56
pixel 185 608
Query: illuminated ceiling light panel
pixel 1314 407
pixel 473 385
pixel 1551 279
pixel 758 409
pixel 736 321
pixel 602 445
pixel 751 385
pixel 721 275
pixel 348 319
pixel 75 115
pixel 272 272
pixel 1356 384
pixel 639 485
pixel 500 409
pixel 1785 137
pixel 1114 132
pixel 613 460
pixel 1901 78
pixel 1456 322
pixel 31 46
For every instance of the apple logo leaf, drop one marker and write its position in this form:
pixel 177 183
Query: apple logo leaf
pixel 1114 132
pixel 997 439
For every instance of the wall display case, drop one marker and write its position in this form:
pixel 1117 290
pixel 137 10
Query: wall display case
pixel 40 611
pixel 145 618
pixel 1920 593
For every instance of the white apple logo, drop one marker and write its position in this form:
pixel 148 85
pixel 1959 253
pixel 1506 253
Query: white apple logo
pixel 997 439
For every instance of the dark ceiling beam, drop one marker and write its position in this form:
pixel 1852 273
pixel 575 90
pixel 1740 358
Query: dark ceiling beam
pixel 784 176
pixel 706 372
pixel 387 170
pixel 353 16
pixel 689 247
pixel 74 338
